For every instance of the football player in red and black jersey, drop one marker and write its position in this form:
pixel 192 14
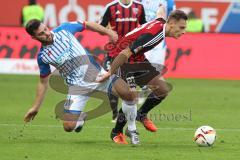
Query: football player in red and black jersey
pixel 136 43
pixel 123 16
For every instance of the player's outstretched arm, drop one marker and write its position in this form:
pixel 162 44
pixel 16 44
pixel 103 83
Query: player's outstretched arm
pixel 102 30
pixel 40 94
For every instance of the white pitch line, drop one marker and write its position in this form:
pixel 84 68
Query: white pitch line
pixel 108 127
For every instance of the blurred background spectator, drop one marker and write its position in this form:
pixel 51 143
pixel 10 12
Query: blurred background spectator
pixel 194 24
pixel 121 16
pixel 32 11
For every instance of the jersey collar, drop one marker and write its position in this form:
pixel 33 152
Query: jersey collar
pixel 125 6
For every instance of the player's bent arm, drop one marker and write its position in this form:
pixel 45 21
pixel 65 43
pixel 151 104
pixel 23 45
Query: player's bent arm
pixel 120 60
pixel 161 12
pixel 102 30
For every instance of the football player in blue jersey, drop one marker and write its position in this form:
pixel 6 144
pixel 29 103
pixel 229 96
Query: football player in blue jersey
pixel 80 71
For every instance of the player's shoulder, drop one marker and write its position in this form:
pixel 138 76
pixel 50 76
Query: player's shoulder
pixel 40 53
pixel 72 27
pixel 58 28
pixel 137 2
pixel 155 26
pixel 61 27
pixel 159 22
pixel 113 3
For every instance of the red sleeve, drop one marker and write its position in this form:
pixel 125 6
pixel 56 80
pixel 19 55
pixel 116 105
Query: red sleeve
pixel 142 17
pixel 106 17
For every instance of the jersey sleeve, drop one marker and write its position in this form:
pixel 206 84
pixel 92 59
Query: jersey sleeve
pixel 140 42
pixel 73 27
pixel 147 36
pixel 106 17
pixel 142 17
pixel 43 68
pixel 171 6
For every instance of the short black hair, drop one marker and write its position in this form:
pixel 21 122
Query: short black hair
pixel 32 25
pixel 32 2
pixel 177 15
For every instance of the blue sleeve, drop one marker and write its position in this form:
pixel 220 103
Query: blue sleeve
pixel 43 68
pixel 171 6
pixel 73 27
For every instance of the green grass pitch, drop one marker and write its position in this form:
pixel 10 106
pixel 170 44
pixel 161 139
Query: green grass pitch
pixel 192 103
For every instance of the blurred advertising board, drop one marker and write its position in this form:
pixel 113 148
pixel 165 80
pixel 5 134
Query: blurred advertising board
pixel 214 56
pixel 192 56
pixel 218 16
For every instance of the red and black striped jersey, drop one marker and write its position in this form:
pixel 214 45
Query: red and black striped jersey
pixel 123 18
pixel 142 39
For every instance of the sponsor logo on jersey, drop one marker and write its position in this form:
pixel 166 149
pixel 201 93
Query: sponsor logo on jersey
pixel 126 19
pixel 135 10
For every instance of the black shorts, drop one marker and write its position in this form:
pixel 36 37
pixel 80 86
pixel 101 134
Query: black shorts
pixel 140 73
pixel 107 62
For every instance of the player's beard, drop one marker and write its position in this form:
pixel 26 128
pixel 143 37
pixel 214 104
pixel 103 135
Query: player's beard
pixel 48 40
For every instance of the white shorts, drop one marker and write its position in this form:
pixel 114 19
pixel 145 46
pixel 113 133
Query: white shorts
pixel 78 95
pixel 157 54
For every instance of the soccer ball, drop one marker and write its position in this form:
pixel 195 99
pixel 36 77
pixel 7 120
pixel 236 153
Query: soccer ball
pixel 205 136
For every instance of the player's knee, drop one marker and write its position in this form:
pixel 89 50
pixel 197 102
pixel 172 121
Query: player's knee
pixel 68 126
pixel 130 96
pixel 162 93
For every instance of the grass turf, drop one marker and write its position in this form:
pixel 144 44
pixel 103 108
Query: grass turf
pixel 191 104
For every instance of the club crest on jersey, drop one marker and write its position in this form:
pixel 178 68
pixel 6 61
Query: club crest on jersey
pixel 135 10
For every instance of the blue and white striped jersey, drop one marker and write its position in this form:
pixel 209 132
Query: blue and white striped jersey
pixel 151 7
pixel 66 54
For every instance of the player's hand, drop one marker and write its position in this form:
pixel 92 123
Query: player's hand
pixel 113 36
pixel 32 112
pixel 103 77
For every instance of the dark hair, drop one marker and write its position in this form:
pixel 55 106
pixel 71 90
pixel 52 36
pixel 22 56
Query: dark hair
pixel 32 2
pixel 177 15
pixel 32 25
pixel 192 15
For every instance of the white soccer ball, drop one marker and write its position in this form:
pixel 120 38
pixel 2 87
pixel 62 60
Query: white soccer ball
pixel 205 136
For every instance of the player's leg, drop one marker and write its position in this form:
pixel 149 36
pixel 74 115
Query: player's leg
pixel 127 113
pixel 112 98
pixel 74 117
pixel 114 106
pixel 160 90
pixel 150 78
